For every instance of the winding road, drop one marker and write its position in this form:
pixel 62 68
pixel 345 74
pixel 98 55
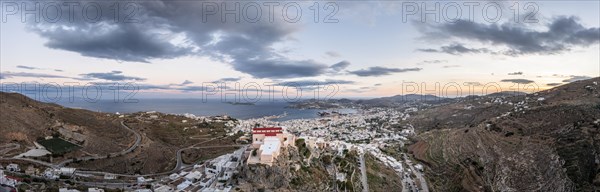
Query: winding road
pixel 138 140
pixel 363 173
pixel 8 148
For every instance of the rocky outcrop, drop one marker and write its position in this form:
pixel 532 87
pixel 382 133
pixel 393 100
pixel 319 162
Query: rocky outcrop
pixel 289 173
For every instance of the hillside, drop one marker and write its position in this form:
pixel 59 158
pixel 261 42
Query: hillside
pixel 24 121
pixel 546 141
pixel 95 141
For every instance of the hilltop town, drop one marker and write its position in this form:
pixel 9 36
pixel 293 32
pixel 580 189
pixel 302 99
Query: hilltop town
pixel 408 147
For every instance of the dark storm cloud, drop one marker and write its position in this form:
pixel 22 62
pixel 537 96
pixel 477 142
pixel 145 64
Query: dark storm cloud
pixel 112 76
pixel 456 49
pixel 380 71
pixel 126 43
pixel 516 73
pixel 519 81
pixel 576 78
pixel 562 34
pixel 340 66
pixel 170 29
pixel 280 68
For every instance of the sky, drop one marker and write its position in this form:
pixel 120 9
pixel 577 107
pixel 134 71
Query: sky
pixel 192 49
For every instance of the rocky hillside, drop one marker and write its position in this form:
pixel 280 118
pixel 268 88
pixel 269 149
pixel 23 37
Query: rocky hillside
pixel 546 141
pixel 298 171
pixel 24 121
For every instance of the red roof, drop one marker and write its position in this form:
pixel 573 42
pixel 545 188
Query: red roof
pixel 267 131
pixel 266 128
pixel 14 178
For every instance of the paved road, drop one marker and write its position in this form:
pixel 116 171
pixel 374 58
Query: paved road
pixel 420 177
pixel 9 147
pixel 33 161
pixel 363 173
pixel 138 140
pixel 178 167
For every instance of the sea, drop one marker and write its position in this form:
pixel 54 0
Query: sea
pixel 198 107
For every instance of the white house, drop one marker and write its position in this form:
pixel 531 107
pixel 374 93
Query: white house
pixel 174 176
pixel 229 169
pixel 193 176
pixel 205 182
pixel 13 167
pixel 184 185
pixel 95 190
pixel 50 173
pixel 163 188
pixel 267 142
pixel 109 176
pixel 67 190
pixel 67 171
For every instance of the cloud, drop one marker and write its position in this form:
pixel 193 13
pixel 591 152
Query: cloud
pixel 553 84
pixel 574 78
pixel 476 84
pixel 431 61
pixel 308 83
pixel 227 79
pixel 35 68
pixel 340 66
pixel 561 34
pixel 516 73
pixel 456 49
pixel 377 84
pixel 122 42
pixel 333 54
pixel 518 81
pixel 186 82
pixel 380 71
pixel 451 66
pixel 112 76
pixel 26 67
pixel 8 74
pixel 170 29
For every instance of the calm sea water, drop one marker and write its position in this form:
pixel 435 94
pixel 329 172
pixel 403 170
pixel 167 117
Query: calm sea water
pixel 197 107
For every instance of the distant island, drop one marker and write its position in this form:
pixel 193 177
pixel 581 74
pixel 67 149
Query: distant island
pixel 240 103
